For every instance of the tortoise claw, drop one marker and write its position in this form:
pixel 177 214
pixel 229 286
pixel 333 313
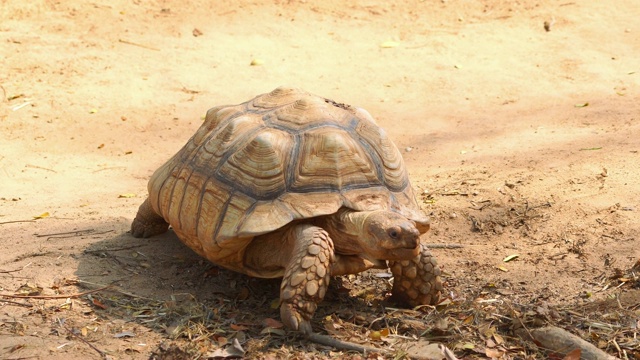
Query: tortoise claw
pixel 293 319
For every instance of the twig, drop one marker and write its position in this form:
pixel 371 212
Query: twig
pixel 554 256
pixel 526 329
pixel 18 107
pixel 110 168
pixel 16 221
pixel 66 233
pixel 344 345
pixel 102 353
pixel 115 289
pixel 444 246
pixel 16 303
pixel 39 167
pixel 48 297
pixel 16 270
pixel 139 45
pixel 70 234
pixel 114 249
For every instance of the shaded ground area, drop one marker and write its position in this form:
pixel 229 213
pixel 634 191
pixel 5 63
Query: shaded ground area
pixel 520 141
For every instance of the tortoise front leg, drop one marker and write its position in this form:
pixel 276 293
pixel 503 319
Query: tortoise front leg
pixel 417 281
pixel 306 276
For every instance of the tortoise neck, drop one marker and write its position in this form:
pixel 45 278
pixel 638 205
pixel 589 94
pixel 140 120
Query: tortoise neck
pixel 348 222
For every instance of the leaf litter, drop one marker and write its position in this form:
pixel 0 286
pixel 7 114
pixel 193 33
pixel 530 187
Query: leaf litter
pixel 488 323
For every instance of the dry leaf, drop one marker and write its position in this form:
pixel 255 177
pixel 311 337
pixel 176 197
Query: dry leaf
pixel 124 334
pixel 389 44
pixel 244 293
pixel 42 216
pixel 573 355
pixel 126 196
pixel 468 320
pixel 493 353
pixel 510 257
pixel 97 303
pixel 273 331
pixel 29 289
pixel 272 323
pixel 423 349
pixel 238 327
pixel 275 303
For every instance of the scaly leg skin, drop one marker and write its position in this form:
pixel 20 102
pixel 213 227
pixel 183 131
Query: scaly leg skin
pixel 306 277
pixel 147 222
pixel 417 281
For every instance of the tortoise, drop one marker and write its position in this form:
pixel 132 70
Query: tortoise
pixel 297 186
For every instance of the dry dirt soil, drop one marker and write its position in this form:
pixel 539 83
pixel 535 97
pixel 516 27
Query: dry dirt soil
pixel 519 122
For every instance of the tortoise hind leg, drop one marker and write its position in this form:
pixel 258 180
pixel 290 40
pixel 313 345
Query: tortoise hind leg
pixel 417 281
pixel 147 222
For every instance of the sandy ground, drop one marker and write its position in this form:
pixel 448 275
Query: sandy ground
pixel 519 141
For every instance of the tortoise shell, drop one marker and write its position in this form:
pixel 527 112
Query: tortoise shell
pixel 281 157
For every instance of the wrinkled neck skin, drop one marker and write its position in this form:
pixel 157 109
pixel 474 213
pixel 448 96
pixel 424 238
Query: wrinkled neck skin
pixel 353 221
pixel 346 228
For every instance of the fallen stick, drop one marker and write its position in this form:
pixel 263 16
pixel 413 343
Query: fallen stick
pixel 16 303
pixel 563 342
pixel 70 332
pixel 139 45
pixel 444 246
pixel 344 345
pixel 49 297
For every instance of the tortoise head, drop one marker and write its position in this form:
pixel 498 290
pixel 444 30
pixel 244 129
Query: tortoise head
pixel 388 235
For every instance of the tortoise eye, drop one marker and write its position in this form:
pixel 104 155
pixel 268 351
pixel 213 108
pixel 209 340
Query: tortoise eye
pixel 394 233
